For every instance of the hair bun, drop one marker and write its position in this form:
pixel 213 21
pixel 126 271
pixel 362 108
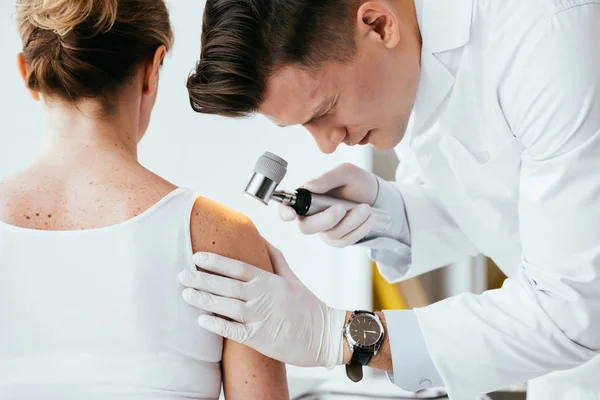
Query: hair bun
pixel 63 16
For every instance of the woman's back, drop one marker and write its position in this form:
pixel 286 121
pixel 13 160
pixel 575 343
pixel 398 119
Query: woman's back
pixel 90 304
pixel 98 313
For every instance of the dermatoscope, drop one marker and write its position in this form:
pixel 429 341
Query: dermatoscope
pixel 270 170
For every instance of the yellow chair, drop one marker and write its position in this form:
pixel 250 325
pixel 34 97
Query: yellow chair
pixel 386 296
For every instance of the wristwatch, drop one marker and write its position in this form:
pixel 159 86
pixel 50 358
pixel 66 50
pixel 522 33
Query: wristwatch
pixel 364 332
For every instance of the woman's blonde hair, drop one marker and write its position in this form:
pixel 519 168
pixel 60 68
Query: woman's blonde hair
pixel 76 49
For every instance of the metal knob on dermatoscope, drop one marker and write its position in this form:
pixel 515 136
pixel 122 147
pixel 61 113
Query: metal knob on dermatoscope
pixel 268 174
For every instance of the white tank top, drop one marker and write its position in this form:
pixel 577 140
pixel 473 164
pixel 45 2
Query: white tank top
pixel 98 314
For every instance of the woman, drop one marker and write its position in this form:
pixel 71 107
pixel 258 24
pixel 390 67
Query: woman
pixel 100 314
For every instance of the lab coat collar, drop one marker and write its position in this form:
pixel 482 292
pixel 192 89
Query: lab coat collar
pixel 419 9
pixel 446 26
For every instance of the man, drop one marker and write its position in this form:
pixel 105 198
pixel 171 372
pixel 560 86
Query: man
pixel 497 108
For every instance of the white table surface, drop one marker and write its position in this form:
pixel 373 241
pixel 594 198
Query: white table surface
pixel 370 387
pixel 377 385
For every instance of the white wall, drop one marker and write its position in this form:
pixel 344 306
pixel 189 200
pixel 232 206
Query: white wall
pixel 211 155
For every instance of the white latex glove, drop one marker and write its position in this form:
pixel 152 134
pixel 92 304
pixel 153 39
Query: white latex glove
pixel 274 314
pixel 337 227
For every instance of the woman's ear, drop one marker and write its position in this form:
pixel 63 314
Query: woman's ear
pixel 152 71
pixel 22 68
pixel 377 21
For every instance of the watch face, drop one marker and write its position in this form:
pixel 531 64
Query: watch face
pixel 365 330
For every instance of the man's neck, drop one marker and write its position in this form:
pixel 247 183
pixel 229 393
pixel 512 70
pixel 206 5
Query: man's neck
pixel 409 13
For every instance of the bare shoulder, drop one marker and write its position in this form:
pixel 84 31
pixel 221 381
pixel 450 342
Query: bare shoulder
pixel 218 229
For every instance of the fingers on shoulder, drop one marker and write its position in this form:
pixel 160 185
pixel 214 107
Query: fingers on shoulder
pixel 221 230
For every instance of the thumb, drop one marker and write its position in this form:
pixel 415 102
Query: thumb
pixel 280 264
pixel 227 329
pixel 286 213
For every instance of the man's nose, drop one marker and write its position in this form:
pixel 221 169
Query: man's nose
pixel 328 139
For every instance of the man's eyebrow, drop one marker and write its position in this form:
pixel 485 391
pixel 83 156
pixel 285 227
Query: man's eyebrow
pixel 323 108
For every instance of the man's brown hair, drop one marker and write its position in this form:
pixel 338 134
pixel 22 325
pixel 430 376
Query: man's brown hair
pixel 245 41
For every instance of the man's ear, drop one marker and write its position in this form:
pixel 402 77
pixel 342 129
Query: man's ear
pixel 378 21
pixel 22 68
pixel 152 71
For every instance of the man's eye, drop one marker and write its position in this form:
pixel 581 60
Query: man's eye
pixel 322 116
pixel 315 119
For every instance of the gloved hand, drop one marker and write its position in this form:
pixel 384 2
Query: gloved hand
pixel 273 314
pixel 337 227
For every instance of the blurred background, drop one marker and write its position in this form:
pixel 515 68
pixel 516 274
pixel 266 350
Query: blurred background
pixel 215 157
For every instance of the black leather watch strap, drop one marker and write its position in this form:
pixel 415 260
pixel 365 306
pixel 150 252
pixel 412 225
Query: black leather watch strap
pixel 354 372
pixel 361 357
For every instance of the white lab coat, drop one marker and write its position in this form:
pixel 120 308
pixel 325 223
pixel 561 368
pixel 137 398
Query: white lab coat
pixel 502 157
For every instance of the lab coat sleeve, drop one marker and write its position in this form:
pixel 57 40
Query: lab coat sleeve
pixel 413 367
pixel 548 317
pixel 423 236
pixel 391 250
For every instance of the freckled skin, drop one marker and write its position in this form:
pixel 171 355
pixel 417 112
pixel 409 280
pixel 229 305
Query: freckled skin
pixel 217 229
pixel 49 195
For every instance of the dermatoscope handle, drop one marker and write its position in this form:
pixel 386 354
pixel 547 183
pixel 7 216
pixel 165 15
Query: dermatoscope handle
pixel 310 204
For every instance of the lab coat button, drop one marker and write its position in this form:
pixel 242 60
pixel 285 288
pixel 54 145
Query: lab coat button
pixel 425 384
